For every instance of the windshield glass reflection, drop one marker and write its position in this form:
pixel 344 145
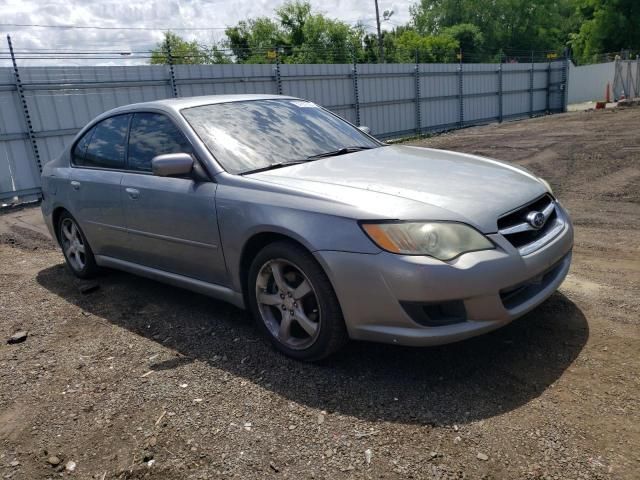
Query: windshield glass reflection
pixel 249 135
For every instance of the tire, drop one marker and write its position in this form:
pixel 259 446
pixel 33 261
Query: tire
pixel 75 248
pixel 313 320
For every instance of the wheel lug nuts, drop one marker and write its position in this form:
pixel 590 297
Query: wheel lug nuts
pixel 282 296
pixel 284 307
pixel 291 312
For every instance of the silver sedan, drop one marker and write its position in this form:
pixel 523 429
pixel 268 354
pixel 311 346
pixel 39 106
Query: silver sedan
pixel 324 233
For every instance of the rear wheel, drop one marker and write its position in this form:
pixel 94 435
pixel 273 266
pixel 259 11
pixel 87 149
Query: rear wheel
pixel 75 248
pixel 294 303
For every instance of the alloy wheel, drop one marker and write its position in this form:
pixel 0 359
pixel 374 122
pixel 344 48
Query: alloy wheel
pixel 73 244
pixel 288 303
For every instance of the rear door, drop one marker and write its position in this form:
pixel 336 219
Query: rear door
pixel 172 222
pixel 98 159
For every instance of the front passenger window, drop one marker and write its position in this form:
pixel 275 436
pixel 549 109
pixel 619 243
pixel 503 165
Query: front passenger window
pixel 153 134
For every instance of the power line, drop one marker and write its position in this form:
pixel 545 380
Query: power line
pixel 95 27
pixel 91 27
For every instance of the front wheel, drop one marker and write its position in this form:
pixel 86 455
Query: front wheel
pixel 294 303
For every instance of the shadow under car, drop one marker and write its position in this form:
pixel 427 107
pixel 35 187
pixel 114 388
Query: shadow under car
pixel 451 384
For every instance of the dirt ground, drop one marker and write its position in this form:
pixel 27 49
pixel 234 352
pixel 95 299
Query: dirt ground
pixel 142 380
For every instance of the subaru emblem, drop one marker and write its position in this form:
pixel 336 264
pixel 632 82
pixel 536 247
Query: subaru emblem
pixel 536 219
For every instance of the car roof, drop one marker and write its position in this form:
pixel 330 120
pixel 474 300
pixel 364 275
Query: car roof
pixel 176 104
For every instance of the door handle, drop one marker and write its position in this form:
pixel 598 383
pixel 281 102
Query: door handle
pixel 75 184
pixel 132 192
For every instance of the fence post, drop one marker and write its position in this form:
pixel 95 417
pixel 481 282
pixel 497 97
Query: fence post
pixel 565 83
pixel 25 107
pixel 620 74
pixel 418 113
pixel 460 94
pixel 500 91
pixel 172 73
pixel 531 86
pixel 638 75
pixel 548 109
pixel 278 77
pixel 356 95
pixel 632 87
pixel 616 77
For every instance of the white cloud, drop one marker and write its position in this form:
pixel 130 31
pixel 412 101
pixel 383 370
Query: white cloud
pixel 160 14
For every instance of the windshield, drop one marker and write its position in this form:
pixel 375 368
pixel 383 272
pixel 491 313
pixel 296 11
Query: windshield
pixel 255 134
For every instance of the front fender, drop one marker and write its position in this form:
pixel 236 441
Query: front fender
pixel 244 213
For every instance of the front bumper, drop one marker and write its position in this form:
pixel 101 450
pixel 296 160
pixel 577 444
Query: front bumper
pixel 372 289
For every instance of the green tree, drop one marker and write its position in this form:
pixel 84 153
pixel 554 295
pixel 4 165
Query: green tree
pixel 607 26
pixel 298 34
pixel 470 39
pixel 326 41
pixel 429 48
pixel 252 40
pixel 516 25
pixel 293 17
pixel 183 52
pixel 402 44
pixel 370 52
pixel 482 29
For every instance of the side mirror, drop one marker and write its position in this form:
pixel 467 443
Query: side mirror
pixel 364 129
pixel 172 164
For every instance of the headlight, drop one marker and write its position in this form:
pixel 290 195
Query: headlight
pixel 546 184
pixel 441 240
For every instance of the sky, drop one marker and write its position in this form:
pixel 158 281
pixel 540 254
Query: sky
pixel 214 15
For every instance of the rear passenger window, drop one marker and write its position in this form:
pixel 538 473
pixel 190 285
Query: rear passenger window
pixel 107 145
pixel 153 134
pixel 81 148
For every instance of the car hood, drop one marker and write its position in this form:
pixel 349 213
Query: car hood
pixel 434 184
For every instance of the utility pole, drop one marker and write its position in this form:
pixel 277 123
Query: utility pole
pixel 380 44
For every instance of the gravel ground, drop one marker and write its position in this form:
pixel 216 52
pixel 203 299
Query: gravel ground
pixel 141 380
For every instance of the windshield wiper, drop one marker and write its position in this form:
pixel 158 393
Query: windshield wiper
pixel 332 153
pixel 339 151
pixel 273 166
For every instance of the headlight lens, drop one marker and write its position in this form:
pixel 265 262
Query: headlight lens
pixel 441 240
pixel 546 184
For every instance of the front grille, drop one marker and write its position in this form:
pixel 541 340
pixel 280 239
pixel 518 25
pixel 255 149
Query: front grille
pixel 515 227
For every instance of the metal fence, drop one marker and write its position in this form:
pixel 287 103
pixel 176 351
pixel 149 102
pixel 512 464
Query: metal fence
pixel 41 108
pixel 626 82
pixel 590 82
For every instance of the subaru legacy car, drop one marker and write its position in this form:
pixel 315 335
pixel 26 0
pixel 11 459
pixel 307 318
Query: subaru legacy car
pixel 323 232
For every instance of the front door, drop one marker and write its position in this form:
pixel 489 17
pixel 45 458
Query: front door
pixel 171 222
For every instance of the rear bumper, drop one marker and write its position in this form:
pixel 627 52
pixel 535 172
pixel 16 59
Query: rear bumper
pixel 47 215
pixel 494 287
